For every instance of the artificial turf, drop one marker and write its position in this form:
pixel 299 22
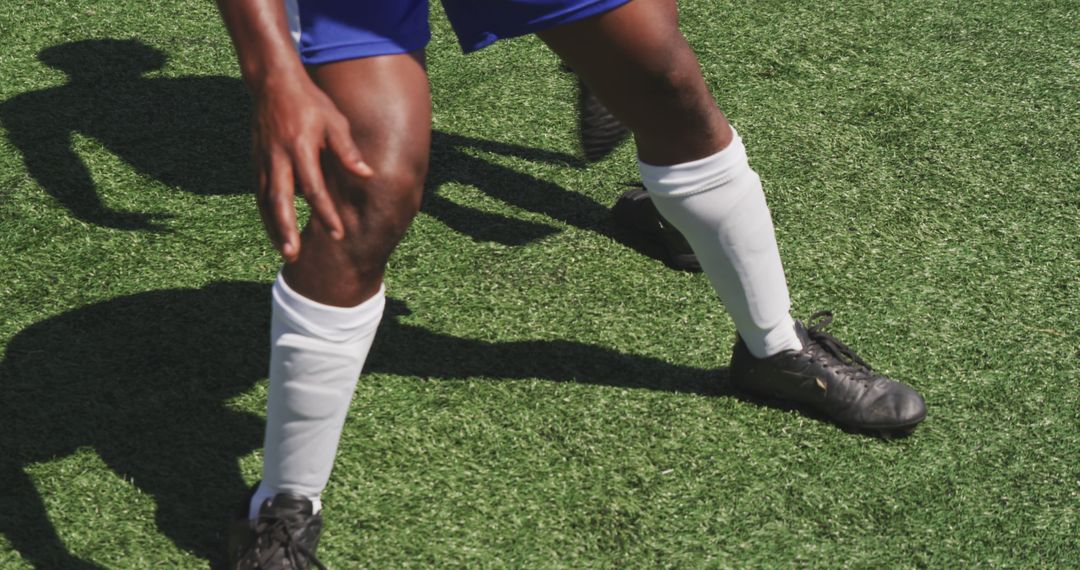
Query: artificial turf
pixel 542 395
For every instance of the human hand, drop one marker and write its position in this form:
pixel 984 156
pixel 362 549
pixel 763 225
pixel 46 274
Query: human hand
pixel 294 123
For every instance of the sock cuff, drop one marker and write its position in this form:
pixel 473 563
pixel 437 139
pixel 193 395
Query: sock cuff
pixel 335 324
pixel 763 343
pixel 698 175
pixel 264 492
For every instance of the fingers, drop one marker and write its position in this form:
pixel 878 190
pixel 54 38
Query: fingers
pixel 289 142
pixel 309 174
pixel 341 143
pixel 283 211
pixel 275 196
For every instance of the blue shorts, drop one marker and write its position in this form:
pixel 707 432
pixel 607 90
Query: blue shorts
pixel 333 30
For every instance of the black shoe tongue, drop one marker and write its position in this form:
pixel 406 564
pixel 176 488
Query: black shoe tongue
pixel 285 505
pixel 800 330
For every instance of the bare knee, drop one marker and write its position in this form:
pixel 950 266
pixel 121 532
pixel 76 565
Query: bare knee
pixel 676 119
pixel 677 78
pixel 661 95
pixel 377 211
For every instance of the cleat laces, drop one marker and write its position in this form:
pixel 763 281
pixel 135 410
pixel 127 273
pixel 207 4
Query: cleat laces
pixel 835 350
pixel 276 533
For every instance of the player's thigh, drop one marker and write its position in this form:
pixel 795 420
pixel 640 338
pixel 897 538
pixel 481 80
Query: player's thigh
pixel 387 102
pixel 638 63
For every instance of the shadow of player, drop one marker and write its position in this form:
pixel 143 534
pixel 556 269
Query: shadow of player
pixel 189 133
pixel 145 380
pixel 192 133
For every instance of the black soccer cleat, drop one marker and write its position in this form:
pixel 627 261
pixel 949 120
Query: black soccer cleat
pixel 831 379
pixel 284 537
pixel 634 210
pixel 599 131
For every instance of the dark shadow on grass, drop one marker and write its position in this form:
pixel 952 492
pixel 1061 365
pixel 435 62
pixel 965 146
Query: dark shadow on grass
pixel 145 380
pixel 192 134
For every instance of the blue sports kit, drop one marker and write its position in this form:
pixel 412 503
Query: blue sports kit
pixel 333 30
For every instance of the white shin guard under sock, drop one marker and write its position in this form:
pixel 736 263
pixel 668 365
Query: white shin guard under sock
pixel 718 205
pixel 317 352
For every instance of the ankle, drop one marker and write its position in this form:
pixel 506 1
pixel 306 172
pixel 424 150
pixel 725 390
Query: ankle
pixel 763 343
pixel 266 493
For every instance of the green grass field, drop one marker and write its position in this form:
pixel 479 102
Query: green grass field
pixel 541 395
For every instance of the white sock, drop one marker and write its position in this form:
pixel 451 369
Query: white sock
pixel 718 204
pixel 317 352
pixel 264 493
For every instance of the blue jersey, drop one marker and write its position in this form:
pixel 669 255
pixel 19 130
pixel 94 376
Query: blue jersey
pixel 334 30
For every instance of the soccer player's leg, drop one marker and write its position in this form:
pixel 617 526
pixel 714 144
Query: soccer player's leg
pixel 328 302
pixel 388 105
pixel 599 133
pixel 695 167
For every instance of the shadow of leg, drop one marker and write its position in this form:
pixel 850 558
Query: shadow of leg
pixel 483 226
pixel 26 525
pixel 191 470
